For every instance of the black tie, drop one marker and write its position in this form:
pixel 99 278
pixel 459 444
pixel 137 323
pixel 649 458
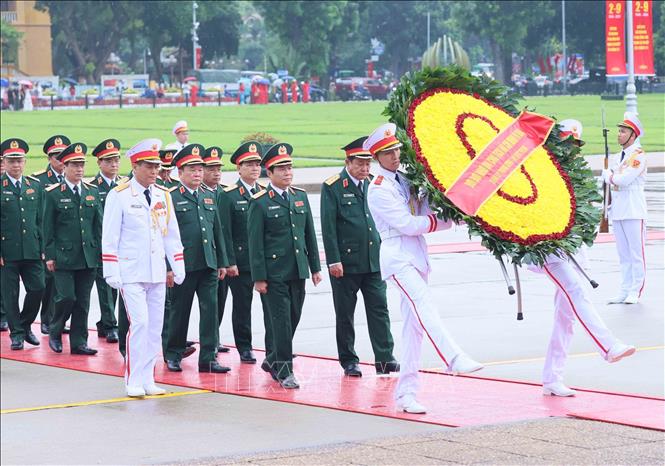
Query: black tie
pixel 285 195
pixel 59 178
pixel 146 193
pixel 397 179
pixel 113 184
pixel 253 190
pixel 18 186
pixel 76 192
pixel 360 187
pixel 623 154
pixel 196 195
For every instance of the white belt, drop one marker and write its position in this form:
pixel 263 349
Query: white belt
pixel 389 233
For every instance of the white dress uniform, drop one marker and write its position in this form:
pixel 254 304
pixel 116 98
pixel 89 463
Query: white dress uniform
pixel 628 212
pixel 179 127
pixel 137 239
pixel 402 217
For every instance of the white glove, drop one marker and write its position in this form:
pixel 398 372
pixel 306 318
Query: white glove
pixel 605 175
pixel 178 279
pixel 114 282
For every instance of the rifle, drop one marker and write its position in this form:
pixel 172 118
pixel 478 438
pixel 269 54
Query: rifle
pixel 604 226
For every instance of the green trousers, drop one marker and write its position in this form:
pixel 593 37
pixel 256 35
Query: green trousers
pixel 284 301
pixel 242 289
pixel 222 293
pixel 107 299
pixel 32 274
pixel 345 296
pixel 203 283
pixel 48 298
pixel 72 296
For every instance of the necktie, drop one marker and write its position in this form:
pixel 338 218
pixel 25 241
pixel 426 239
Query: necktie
pixel 76 192
pixel 59 178
pixel 146 193
pixel 18 186
pixel 253 190
pixel 623 154
pixel 196 195
pixel 285 195
pixel 360 188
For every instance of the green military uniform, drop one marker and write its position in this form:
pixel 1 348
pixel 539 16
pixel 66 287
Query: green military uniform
pixel 72 236
pixel 205 252
pixel 282 251
pixel 107 325
pixel 21 247
pixel 52 147
pixel 350 238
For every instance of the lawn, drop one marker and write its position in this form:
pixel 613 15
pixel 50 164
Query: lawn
pixel 316 131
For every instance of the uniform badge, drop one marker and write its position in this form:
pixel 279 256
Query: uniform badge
pixel 252 148
pixel 345 183
pixel 13 145
pixel 241 190
pixel 100 180
pixel 214 152
pixel 159 205
pixel 635 163
pixel 207 200
pixel 299 203
pixel 90 198
pixel 58 142
pixel 271 193
pixel 63 187
pixel 109 145
pixel 78 149
pixel 4 183
pixel 282 150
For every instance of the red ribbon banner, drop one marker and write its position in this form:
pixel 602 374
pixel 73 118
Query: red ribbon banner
pixel 498 160
pixel 615 37
pixel 643 37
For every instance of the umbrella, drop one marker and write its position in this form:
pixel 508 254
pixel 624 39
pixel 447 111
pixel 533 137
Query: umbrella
pixel 188 79
pixel 69 81
pixel 4 82
pixel 25 82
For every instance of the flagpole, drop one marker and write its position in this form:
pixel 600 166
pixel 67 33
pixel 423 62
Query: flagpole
pixel 631 98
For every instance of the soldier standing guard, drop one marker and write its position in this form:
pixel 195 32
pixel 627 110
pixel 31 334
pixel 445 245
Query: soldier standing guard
pixel 4 326
pixel 21 243
pixel 234 207
pixel 628 210
pixel 51 175
pixel 72 229
pixel 108 159
pixel 352 245
pixel 140 234
pixel 205 263
pixel 212 175
pixel 402 218
pixel 282 251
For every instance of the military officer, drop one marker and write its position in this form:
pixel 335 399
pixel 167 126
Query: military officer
pixel 212 175
pixel 628 210
pixel 4 326
pixel 21 243
pixel 140 233
pixel 167 178
pixel 205 262
pixel 72 229
pixel 352 244
pixel 108 159
pixel 51 175
pixel 402 218
pixel 282 251
pixel 234 207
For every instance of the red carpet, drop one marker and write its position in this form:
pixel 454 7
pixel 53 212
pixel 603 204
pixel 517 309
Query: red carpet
pixel 452 401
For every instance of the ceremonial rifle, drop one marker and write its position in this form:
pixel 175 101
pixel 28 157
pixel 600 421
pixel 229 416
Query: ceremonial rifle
pixel 604 226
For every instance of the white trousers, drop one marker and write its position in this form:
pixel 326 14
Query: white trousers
pixel 145 311
pixel 570 302
pixel 421 317
pixel 630 236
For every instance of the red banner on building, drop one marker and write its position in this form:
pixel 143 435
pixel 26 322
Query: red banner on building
pixel 615 37
pixel 498 160
pixel 643 37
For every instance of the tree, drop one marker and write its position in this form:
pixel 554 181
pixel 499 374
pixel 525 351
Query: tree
pixel 219 29
pixel 11 39
pixel 88 31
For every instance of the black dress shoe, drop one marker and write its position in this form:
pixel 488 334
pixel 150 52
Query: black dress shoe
pixel 44 328
pixel 65 329
pixel 31 338
pixel 112 336
pixel 85 350
pixel 55 345
pixel 101 333
pixel 222 349
pixel 189 343
pixel 4 326
pixel 188 352
pixel 247 357
pixel 383 368
pixel 173 366
pixel 265 366
pixel 17 343
pixel 214 367
pixel 352 370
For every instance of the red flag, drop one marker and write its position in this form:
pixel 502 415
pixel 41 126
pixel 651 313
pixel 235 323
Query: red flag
pixel 615 37
pixel 643 37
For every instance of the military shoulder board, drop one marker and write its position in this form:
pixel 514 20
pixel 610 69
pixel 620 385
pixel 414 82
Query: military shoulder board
pixel 208 188
pixel 163 188
pixel 33 178
pixel 172 189
pixel 332 179
pixel 39 173
pixel 90 185
pixel 52 187
pixel 262 186
pixel 228 189
pixel 299 189
pixel 259 194
pixel 121 187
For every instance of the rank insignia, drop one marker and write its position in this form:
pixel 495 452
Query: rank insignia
pixel 345 183
pixel 635 163
pixel 207 200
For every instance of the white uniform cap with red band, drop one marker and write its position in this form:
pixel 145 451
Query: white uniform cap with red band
pixel 146 150
pixel 631 121
pixel 570 127
pixel 180 127
pixel 383 138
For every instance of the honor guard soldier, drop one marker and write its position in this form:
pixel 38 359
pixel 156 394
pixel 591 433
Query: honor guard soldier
pixel 628 209
pixel 352 244
pixel 282 251
pixel 108 160
pixel 51 175
pixel 167 177
pixel 234 207
pixel 212 175
pixel 205 262
pixel 72 230
pixel 402 218
pixel 140 234
pixel 4 326
pixel 181 133
pixel 21 243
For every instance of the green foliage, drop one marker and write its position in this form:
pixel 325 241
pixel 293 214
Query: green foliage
pixel 659 37
pixel 587 217
pixel 10 39
pixel 266 140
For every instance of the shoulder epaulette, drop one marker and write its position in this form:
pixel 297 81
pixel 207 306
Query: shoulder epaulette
pixel 299 189
pixel 163 188
pixel 228 189
pixel 39 173
pixel 262 186
pixel 89 185
pixel 172 188
pixel 332 179
pixel 639 151
pixel 121 187
pixel 33 178
pixel 52 187
pixel 224 186
pixel 124 179
pixel 371 177
pixel 259 194
pixel 207 188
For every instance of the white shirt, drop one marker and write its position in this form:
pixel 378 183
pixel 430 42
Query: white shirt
pixel 13 181
pixel 71 186
pixel 109 181
pixel 249 188
pixel 401 219
pixel 627 184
